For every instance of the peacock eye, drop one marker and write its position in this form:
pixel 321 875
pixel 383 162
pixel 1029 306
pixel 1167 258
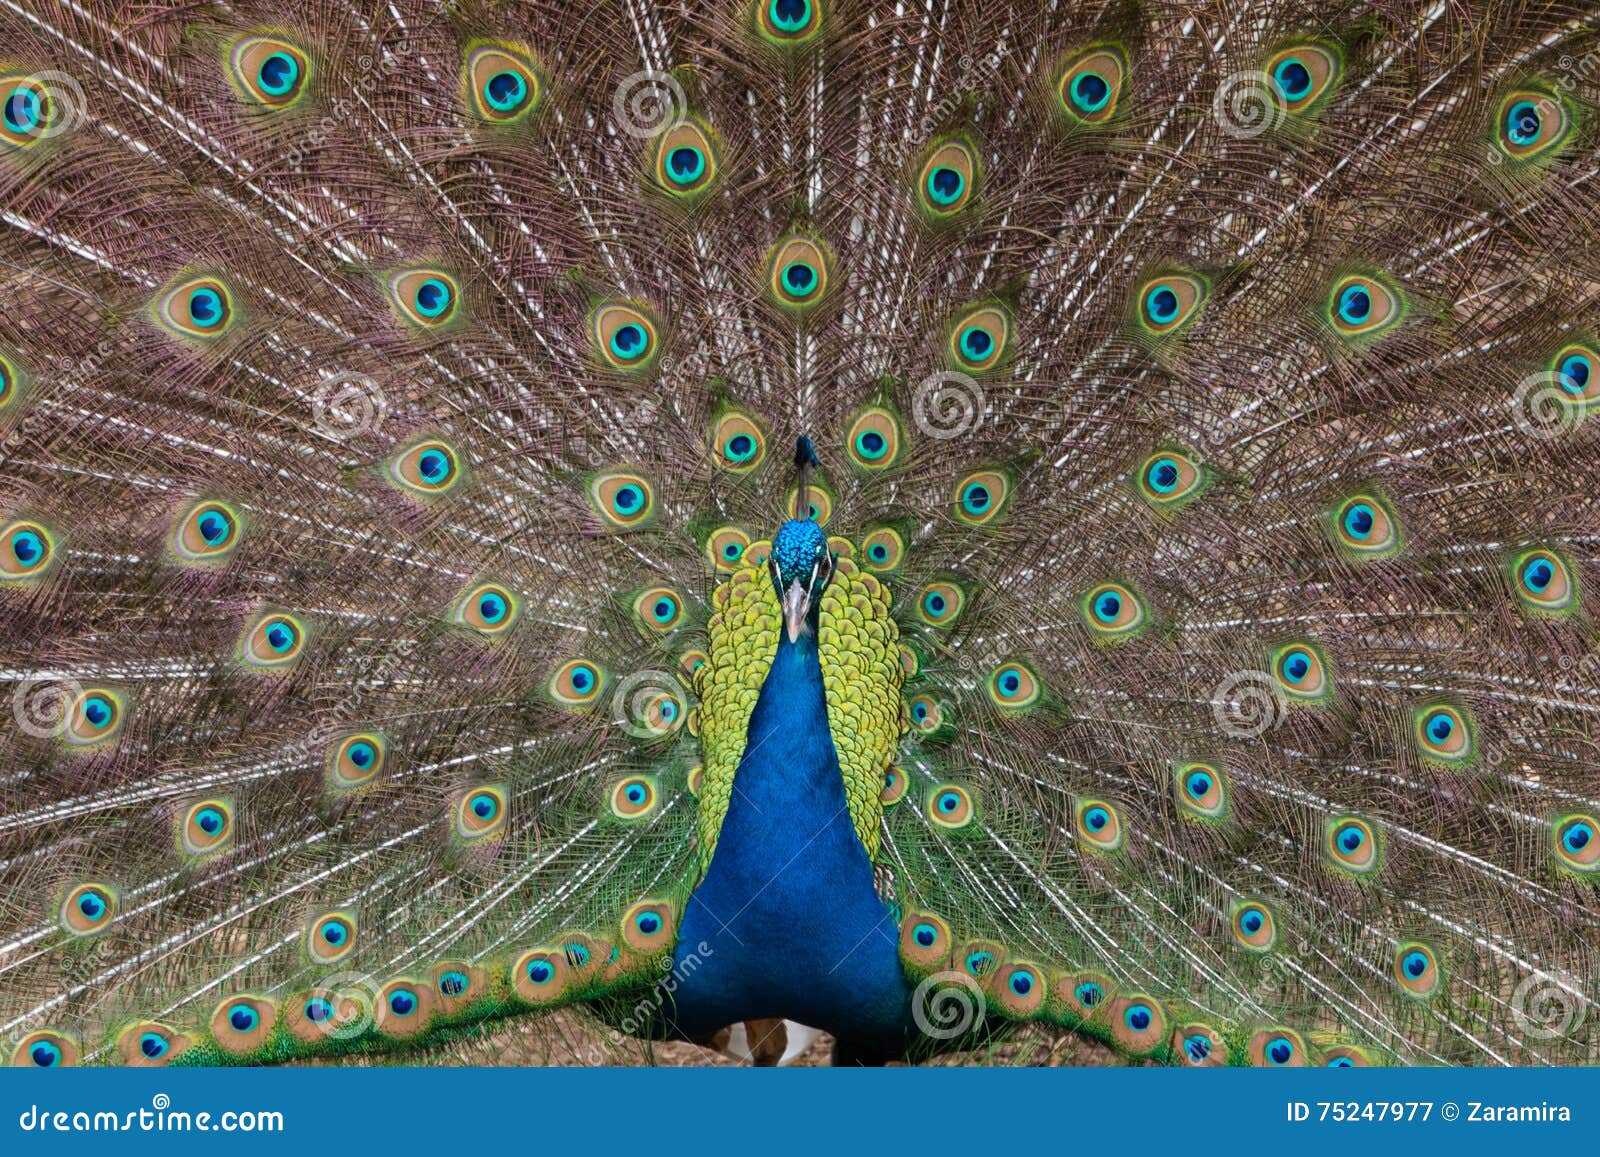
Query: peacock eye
pixel 1532 124
pixel 269 70
pixel 206 827
pixel 798 272
pixel 981 496
pixel 1091 86
pixel 502 82
pixel 1545 583
pixel 949 178
pixel 978 340
pixel 1013 687
pixel 686 160
pixel 788 22
pixel 883 549
pixel 624 500
pixel 624 336
pixel 1444 733
pixel 940 604
pixel 738 442
pixel 1577 842
pixel 1363 306
pixel 1353 846
pixel 1416 969
pixel 951 807
pixel 480 813
pixel 1099 825
pixel 1254 927
pixel 1303 673
pixel 1168 303
pixel 1302 76
pixel 633 798
pixel 330 937
pixel 1202 791
pixel 725 548
pixel 275 641
pixel 1170 479
pixel 1573 368
pixel 874 440
pixel 1364 527
pixel 1112 611
pixel 200 308
pixel 427 468
pixel 425 298
pixel 28 110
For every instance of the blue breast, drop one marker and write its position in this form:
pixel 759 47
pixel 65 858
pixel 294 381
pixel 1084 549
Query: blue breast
pixel 786 922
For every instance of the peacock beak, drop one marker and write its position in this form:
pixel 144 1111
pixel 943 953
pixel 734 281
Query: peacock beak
pixel 796 606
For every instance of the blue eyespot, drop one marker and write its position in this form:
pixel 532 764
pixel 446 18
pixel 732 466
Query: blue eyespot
pixel 582 679
pixel 1575 374
pixel 484 806
pixel 949 801
pixel 976 343
pixel 740 447
pixel 205 308
pixel 505 90
pixel 1355 304
pixel 1107 607
pixel 1198 784
pixel 1090 91
pixel 1021 983
pixel 1292 78
pixel 1537 574
pixel 1010 682
pixel 1163 475
pixel 243 1018
pixel 934 604
pixel 153 1045
pixel 1096 818
pixel 1297 665
pixel 1088 994
pixel 1341 1063
pixel 278 73
pixel 1415 964
pixel 975 498
pixel 1577 837
pixel 96 711
pixel 799 278
pixel 280 636
pixel 1198 1047
pixel 91 905
pixel 361 754
pixel 871 445
pixel 333 932
pixel 402 1002
pixel 43 1054
pixel 979 963
pixel 23 111
pixel 945 185
pixel 540 972
pixel 1137 1017
pixel 628 341
pixel 318 1010
pixel 1280 1051
pixel 1351 837
pixel 1358 520
pixel 433 297
pixel 1162 305
pixel 1522 122
pixel 214 526
pixel 628 499
pixel 453 983
pixel 925 935
pixel 648 923
pixel 790 15
pixel 27 547
pixel 636 793
pixel 434 465
pixel 1440 725
pixel 209 821
pixel 1252 921
pixel 919 712
pixel 492 608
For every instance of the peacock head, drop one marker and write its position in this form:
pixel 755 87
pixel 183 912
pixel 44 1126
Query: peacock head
pixel 801 567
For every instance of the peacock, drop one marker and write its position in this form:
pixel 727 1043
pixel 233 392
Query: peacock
pixel 719 521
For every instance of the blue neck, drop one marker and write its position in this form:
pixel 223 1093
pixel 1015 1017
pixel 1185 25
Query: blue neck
pixel 787 907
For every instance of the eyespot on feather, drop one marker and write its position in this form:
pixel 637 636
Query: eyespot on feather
pixel 150 1044
pixel 798 271
pixel 624 336
pixel 427 468
pixel 274 640
pixel 425 298
pixel 355 760
pixel 241 1024
pixel 269 70
pixel 46 1049
pixel 1091 85
pixel 88 909
pixel 206 827
pixel 330 937
pixel 94 716
pixel 200 309
pixel 949 178
pixel 502 85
